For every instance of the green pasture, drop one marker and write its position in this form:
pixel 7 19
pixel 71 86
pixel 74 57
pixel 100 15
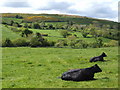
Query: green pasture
pixel 40 67
pixel 8 20
pixel 55 35
pixel 7 33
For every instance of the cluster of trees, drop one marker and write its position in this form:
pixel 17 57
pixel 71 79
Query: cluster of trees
pixel 73 42
pixel 12 23
pixel 95 29
pixel 37 25
pixel 35 41
pixel 105 31
pixel 42 25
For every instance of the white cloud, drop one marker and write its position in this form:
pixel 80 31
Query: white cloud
pixel 107 9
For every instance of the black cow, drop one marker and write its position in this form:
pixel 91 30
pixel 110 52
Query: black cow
pixel 98 58
pixel 81 74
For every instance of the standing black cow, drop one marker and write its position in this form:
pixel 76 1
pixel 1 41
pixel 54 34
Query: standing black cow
pixel 81 74
pixel 98 58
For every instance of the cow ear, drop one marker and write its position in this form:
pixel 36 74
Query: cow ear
pixel 96 65
pixel 103 53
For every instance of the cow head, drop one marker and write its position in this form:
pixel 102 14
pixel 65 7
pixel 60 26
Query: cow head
pixel 96 68
pixel 104 55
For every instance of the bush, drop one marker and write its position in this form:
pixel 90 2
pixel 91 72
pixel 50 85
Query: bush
pixel 71 41
pixel 26 32
pixel 93 45
pixel 60 43
pixel 7 43
pixel 51 43
pixel 112 43
pixel 81 44
pixel 34 42
pixel 64 33
pixel 84 34
pixel 97 44
pixel 20 42
pixel 45 43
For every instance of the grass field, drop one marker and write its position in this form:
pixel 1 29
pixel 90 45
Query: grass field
pixel 54 35
pixel 7 33
pixel 39 67
pixel 8 20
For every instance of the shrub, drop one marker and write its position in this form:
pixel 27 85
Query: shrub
pixel 81 44
pixel 93 45
pixel 71 41
pixel 36 25
pixel 64 33
pixel 99 42
pixel 51 43
pixel 26 32
pixel 111 43
pixel 7 43
pixel 34 42
pixel 20 42
pixel 37 40
pixel 60 43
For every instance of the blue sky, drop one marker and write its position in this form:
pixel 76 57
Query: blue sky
pixel 103 9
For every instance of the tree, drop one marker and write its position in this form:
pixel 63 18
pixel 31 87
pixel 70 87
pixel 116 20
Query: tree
pixel 70 23
pixel 42 24
pixel 64 33
pixel 25 25
pixel 7 43
pixel 84 32
pixel 36 25
pixel 98 43
pixel 15 24
pixel 34 42
pixel 26 32
pixel 18 16
pixel 50 26
pixel 38 41
pixel 11 23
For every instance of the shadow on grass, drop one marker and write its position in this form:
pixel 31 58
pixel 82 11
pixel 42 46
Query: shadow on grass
pixel 106 60
pixel 86 80
pixel 104 78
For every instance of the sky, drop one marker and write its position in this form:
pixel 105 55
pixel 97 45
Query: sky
pixel 102 9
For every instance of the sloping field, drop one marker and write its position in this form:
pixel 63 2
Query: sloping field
pixel 39 67
pixel 7 33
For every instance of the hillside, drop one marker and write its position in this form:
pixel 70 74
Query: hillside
pixel 7 33
pixel 57 18
pixel 59 30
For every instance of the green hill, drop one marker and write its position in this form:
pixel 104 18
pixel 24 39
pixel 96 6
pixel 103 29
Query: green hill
pixel 84 28
pixel 56 18
pixel 7 33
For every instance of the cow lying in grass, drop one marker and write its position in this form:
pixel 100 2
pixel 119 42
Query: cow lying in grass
pixel 98 58
pixel 81 74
